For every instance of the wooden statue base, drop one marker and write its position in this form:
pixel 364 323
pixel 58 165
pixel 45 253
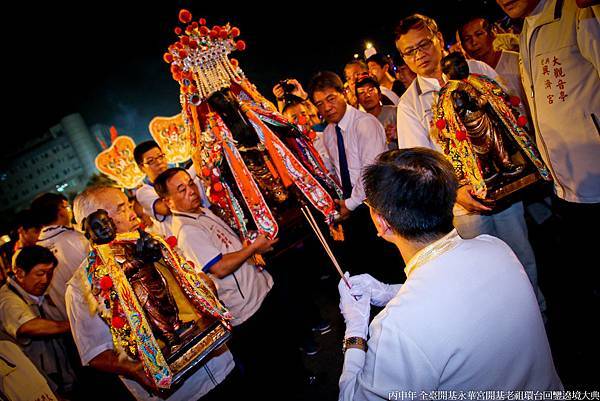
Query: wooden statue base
pixel 511 188
pixel 196 345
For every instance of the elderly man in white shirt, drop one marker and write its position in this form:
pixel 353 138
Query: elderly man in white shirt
pixel 421 45
pixel 243 287
pixel 69 246
pixel 457 323
pixel 152 161
pixel 92 335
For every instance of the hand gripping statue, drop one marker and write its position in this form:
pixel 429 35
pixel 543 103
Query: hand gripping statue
pixel 476 127
pixel 258 167
pixel 134 298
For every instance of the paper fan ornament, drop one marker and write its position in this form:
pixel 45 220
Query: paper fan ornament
pixel 117 163
pixel 173 137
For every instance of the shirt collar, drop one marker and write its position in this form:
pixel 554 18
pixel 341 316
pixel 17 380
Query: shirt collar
pixel 432 251
pixel 191 215
pixel 344 123
pixel 427 85
pixel 29 298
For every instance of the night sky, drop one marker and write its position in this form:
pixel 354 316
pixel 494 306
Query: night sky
pixel 104 59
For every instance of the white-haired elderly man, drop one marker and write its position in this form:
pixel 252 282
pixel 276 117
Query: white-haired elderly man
pixel 92 335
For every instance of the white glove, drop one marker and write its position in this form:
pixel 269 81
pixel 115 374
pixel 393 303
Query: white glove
pixel 354 305
pixel 381 293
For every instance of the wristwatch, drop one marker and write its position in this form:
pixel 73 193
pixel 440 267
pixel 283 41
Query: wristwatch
pixel 354 342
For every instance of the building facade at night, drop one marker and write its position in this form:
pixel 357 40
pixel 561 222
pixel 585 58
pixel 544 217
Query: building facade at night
pixel 61 160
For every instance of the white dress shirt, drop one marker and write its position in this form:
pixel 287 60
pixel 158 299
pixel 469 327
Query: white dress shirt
pixel 414 109
pixel 147 197
pixel 204 238
pixel 70 248
pixel 465 319
pixel 364 140
pixel 92 337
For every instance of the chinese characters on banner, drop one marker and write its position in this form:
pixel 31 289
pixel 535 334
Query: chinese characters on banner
pixel 555 82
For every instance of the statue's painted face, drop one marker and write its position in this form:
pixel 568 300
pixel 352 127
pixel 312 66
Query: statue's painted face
pixel 100 228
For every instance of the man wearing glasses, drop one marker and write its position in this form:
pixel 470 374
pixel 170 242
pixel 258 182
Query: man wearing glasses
pixel 422 47
pixel 151 160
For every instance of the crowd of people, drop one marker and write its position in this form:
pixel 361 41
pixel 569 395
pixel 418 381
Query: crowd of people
pixel 454 277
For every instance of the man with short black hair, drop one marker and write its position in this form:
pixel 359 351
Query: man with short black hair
pixel 352 140
pixel 243 287
pixel 368 93
pixel 28 229
pixel 70 247
pixel 477 39
pixel 380 67
pixel 422 47
pixel 487 313
pixel 31 321
pixel 152 161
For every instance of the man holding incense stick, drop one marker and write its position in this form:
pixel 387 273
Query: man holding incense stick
pixel 466 319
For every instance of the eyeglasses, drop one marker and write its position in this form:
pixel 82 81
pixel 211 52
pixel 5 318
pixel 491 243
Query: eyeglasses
pixel 424 45
pixel 364 91
pixel 153 160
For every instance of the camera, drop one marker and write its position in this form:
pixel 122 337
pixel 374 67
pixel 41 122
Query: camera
pixel 287 86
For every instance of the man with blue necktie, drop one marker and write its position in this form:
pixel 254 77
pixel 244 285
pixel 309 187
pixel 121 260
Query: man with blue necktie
pixel 352 140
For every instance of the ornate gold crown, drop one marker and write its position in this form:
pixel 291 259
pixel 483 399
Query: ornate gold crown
pixel 199 59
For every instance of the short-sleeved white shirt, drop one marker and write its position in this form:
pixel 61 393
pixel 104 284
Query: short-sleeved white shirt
pixel 204 238
pixel 92 337
pixel 147 197
pixel 70 248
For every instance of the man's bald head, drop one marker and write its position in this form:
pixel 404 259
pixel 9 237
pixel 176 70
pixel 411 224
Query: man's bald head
pixel 111 199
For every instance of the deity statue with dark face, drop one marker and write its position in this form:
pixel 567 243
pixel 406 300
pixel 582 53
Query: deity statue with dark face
pixel 483 130
pixel 138 261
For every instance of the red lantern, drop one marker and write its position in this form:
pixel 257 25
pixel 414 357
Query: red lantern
pixel 185 16
pixel 171 241
pixel 240 45
pixel 117 322
pixel 106 283
pixel 168 57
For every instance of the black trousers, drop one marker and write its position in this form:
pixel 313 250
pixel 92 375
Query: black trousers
pixel 269 360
